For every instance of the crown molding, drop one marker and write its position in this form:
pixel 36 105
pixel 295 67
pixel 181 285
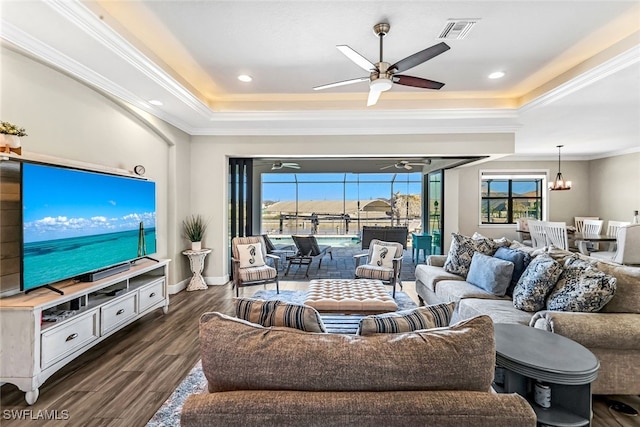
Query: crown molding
pixel 75 12
pixel 607 68
pixel 56 59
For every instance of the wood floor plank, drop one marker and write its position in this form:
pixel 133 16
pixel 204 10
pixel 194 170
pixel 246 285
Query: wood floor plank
pixel 123 380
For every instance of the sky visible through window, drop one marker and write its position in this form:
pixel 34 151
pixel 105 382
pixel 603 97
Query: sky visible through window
pixel 335 186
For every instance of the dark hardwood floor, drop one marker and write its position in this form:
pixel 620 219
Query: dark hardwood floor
pixel 124 380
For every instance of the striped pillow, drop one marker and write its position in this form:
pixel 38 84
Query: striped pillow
pixel 432 316
pixel 279 313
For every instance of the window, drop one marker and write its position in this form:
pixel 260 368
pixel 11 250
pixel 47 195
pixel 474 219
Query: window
pixel 507 196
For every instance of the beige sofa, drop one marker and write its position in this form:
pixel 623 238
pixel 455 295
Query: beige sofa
pixel 613 334
pixel 285 377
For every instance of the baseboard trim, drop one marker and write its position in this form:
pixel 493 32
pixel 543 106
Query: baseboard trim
pixel 210 281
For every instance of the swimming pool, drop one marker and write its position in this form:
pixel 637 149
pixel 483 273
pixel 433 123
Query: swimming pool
pixel 334 241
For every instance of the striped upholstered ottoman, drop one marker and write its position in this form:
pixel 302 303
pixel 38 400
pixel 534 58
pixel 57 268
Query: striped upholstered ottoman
pixel 350 296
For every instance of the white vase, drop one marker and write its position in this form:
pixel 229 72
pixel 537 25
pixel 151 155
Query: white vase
pixel 11 141
pixel 196 246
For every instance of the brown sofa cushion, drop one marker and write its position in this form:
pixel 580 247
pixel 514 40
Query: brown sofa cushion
pixel 238 355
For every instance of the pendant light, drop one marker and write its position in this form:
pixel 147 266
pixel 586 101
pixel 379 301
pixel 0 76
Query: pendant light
pixel 559 183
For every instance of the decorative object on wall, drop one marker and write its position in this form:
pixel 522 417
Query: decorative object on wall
pixel 194 228
pixel 139 170
pixel 559 183
pixel 10 137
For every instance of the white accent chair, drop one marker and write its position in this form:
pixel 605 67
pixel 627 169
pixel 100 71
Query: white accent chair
pixel 556 233
pixel 579 221
pixel 628 247
pixel 538 237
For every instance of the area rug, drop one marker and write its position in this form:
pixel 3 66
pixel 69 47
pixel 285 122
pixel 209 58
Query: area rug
pixel 169 413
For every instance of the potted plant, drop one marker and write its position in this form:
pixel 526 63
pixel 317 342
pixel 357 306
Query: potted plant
pixel 10 137
pixel 194 228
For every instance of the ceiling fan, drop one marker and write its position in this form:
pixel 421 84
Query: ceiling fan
pixel 280 165
pixel 405 164
pixel 382 74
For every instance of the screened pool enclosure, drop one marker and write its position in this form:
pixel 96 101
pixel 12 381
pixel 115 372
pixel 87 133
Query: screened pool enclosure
pixel 339 203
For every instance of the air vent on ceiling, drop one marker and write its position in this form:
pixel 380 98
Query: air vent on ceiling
pixel 457 29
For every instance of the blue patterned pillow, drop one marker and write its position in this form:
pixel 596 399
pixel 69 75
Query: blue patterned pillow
pixel 536 283
pixel 432 316
pixel 279 313
pixel 520 262
pixel 461 252
pixel 582 288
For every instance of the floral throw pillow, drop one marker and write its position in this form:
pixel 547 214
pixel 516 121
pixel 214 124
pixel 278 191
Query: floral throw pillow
pixel 461 252
pixel 537 281
pixel 582 288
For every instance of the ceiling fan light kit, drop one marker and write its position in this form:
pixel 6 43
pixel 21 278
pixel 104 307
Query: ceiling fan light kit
pixel 382 74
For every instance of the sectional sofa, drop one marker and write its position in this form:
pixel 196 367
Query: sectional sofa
pixel 612 333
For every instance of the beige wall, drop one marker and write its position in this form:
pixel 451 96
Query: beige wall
pixel 68 120
pixel 598 189
pixel 615 187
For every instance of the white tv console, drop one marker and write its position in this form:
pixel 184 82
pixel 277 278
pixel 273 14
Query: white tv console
pixel 34 349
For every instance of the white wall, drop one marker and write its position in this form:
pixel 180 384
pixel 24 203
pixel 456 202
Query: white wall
pixel 209 168
pixel 66 119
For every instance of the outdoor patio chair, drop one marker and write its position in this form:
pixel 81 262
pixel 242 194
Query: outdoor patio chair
pixel 280 250
pixel 307 250
pixel 384 262
pixel 249 262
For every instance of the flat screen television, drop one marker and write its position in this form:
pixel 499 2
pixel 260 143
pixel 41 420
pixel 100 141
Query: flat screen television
pixel 75 222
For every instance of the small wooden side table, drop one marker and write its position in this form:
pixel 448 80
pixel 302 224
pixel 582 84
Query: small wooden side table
pixel 196 263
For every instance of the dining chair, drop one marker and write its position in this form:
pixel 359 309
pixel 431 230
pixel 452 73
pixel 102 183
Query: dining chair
pixel 522 228
pixel 628 247
pixel 612 230
pixel 589 226
pixel 556 233
pixel 578 221
pixel 538 237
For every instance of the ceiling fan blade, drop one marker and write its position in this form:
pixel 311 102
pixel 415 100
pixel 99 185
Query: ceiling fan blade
pixel 360 60
pixel 386 167
pixel 373 97
pixel 292 166
pixel 417 82
pixel 419 57
pixel 407 166
pixel 343 83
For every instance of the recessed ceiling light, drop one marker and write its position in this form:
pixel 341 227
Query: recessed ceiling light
pixel 245 78
pixel 496 75
pixel 155 102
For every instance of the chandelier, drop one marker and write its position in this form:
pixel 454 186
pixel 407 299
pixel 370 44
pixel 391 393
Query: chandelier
pixel 559 183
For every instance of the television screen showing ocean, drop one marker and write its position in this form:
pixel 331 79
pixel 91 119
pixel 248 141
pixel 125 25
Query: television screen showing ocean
pixel 49 261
